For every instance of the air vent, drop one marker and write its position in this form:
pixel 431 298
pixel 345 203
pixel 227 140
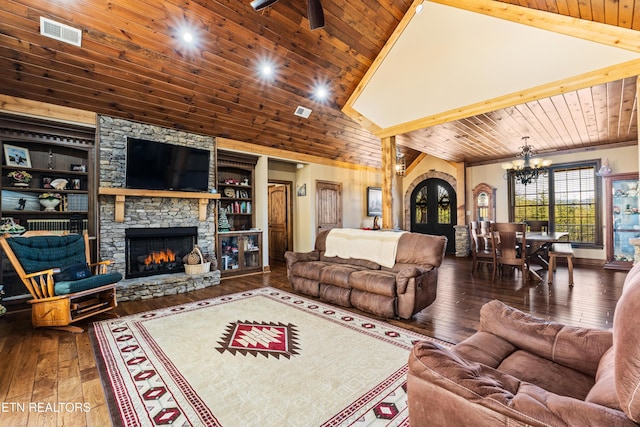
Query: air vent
pixel 302 112
pixel 61 32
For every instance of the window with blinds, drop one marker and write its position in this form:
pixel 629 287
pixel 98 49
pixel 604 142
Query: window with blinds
pixel 567 197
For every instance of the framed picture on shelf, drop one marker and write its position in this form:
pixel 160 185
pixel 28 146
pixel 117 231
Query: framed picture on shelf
pixel 46 182
pixel 76 184
pixel 79 168
pixel 17 156
pixel 374 201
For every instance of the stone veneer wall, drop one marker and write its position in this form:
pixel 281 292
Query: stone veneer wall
pixel 463 246
pixel 461 239
pixel 149 212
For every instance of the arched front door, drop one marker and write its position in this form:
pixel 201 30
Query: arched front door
pixel 433 210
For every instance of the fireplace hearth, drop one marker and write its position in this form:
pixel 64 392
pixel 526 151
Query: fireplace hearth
pixel 151 251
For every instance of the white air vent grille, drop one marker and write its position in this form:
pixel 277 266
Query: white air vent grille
pixel 59 31
pixel 302 112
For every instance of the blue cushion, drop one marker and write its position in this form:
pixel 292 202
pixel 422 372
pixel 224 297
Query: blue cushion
pixel 43 252
pixel 72 286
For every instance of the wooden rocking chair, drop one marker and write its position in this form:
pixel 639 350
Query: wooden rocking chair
pixel 59 303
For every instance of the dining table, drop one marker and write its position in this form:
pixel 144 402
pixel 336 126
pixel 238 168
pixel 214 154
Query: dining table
pixel 540 242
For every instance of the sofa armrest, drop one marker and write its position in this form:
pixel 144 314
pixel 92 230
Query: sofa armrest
pixel 575 347
pixel 445 389
pixel 406 274
pixel 293 257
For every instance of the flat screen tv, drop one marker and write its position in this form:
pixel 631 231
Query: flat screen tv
pixel 153 165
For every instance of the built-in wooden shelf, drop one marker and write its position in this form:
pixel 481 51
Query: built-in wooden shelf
pixel 122 193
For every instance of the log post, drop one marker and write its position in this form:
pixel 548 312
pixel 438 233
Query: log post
pixel 388 180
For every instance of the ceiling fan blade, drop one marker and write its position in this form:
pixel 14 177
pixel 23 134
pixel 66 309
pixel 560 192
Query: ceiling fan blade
pixel 261 4
pixel 315 14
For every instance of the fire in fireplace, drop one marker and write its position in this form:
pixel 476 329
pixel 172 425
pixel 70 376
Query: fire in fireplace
pixel 151 251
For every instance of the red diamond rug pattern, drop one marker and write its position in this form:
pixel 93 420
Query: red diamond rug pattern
pixel 289 361
pixel 267 339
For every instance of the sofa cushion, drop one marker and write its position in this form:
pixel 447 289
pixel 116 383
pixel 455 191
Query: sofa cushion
pixel 309 270
pixel 380 305
pixel 40 253
pixel 421 249
pixel 351 261
pixel 306 286
pixel 545 374
pixel 73 286
pixel 603 391
pixel 574 347
pixel 485 348
pixel 338 275
pixel 374 282
pixel 335 295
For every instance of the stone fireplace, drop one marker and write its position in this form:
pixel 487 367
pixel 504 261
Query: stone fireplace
pixel 149 212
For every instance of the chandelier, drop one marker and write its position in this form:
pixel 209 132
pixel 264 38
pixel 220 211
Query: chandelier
pixel 525 169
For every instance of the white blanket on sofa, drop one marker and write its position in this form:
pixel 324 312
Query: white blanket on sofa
pixel 376 246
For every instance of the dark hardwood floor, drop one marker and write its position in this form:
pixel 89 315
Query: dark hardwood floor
pixel 40 367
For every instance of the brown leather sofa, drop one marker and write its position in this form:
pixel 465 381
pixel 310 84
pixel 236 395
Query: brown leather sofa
pixel 520 370
pixel 398 291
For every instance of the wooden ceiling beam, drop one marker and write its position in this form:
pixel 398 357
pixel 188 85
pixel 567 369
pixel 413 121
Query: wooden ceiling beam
pixel 598 32
pixel 276 153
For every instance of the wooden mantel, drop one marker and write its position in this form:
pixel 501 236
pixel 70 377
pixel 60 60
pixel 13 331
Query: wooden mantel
pixel 122 193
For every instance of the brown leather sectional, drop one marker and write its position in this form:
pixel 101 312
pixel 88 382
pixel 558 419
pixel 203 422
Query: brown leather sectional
pixel 390 292
pixel 520 370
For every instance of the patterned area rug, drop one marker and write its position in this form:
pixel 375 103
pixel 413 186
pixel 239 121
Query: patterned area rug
pixel 259 358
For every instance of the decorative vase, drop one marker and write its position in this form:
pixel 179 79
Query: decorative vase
pixel 49 204
pixel 20 178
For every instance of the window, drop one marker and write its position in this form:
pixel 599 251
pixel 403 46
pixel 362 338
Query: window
pixel 444 206
pixel 567 197
pixel 421 206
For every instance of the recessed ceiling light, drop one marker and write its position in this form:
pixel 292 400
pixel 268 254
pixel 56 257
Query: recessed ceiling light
pixel 266 70
pixel 187 36
pixel 321 92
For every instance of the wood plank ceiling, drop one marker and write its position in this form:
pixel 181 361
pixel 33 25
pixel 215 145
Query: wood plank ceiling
pixel 132 65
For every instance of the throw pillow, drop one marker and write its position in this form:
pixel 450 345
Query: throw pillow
pixel 73 272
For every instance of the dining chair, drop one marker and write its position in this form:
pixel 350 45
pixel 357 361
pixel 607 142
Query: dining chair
pixel 508 238
pixel 482 248
pixel 484 227
pixel 536 225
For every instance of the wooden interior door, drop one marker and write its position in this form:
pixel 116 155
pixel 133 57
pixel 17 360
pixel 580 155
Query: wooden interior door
pixel 328 205
pixel 279 196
